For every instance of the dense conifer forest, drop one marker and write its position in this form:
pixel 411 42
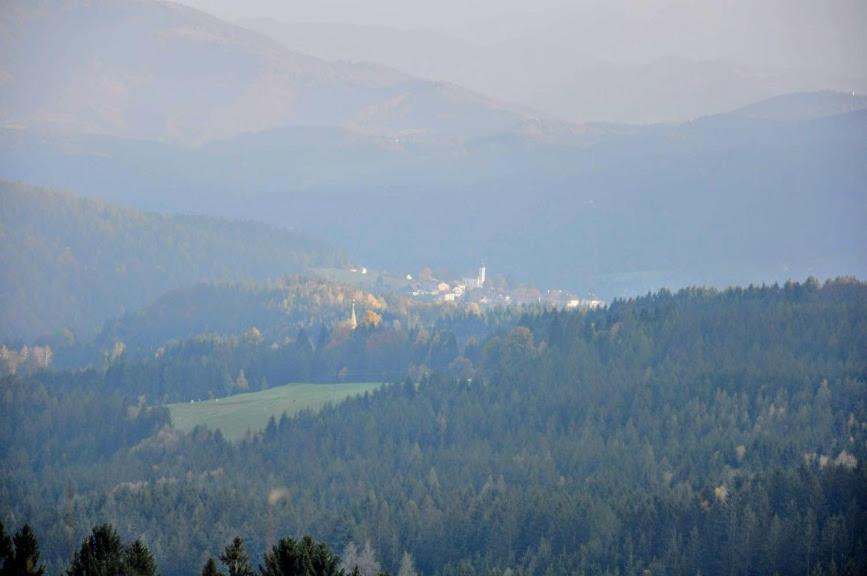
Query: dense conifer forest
pixel 393 287
pixel 71 263
pixel 703 431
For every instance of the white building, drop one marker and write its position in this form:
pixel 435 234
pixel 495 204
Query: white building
pixel 478 281
pixel 588 304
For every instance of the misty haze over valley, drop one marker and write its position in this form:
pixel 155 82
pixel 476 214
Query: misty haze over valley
pixel 446 288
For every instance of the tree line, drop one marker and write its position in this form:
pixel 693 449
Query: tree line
pixel 103 553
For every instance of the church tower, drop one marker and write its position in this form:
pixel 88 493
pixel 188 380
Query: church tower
pixel 353 321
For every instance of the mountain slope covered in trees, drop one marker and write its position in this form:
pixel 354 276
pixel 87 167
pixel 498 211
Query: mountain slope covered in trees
pixel 70 263
pixel 269 323
pixel 702 431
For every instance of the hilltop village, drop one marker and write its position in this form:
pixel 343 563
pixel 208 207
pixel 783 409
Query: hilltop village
pixel 480 289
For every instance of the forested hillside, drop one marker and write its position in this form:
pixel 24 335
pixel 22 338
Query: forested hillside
pixel 697 432
pixel 265 313
pixel 70 263
pixel 259 325
pixel 214 340
pixel 277 309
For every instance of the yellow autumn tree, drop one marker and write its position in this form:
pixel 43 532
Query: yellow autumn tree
pixel 371 318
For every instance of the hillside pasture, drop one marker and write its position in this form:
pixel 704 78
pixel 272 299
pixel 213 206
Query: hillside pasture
pixel 235 415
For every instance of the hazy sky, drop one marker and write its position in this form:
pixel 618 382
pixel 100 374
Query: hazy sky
pixel 811 33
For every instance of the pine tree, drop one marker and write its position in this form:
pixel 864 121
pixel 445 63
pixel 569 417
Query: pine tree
pixel 22 554
pixel 407 566
pixel 323 339
pixel 139 561
pixel 101 554
pixel 302 343
pixel 367 563
pixel 302 558
pixel 271 428
pixel 236 560
pixel 210 568
pixel 5 546
pixel 349 559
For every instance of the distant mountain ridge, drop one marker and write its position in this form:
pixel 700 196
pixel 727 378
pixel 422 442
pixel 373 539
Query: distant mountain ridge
pixel 70 263
pixel 551 74
pixel 149 69
pixel 412 173
pixel 616 209
pixel 804 106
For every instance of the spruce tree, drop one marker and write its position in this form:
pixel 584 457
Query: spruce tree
pixel 236 560
pixel 5 546
pixel 349 559
pixel 300 558
pixel 139 561
pixel 407 566
pixel 303 344
pixel 21 554
pixel 101 554
pixel 364 563
pixel 210 568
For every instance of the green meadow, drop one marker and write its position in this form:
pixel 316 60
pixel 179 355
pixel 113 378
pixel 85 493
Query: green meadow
pixel 235 415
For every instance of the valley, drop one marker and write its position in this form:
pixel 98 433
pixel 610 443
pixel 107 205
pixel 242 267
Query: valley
pixel 459 289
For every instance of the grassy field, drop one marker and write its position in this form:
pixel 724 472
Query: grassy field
pixel 235 415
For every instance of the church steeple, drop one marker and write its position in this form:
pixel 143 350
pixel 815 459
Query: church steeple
pixel 353 321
